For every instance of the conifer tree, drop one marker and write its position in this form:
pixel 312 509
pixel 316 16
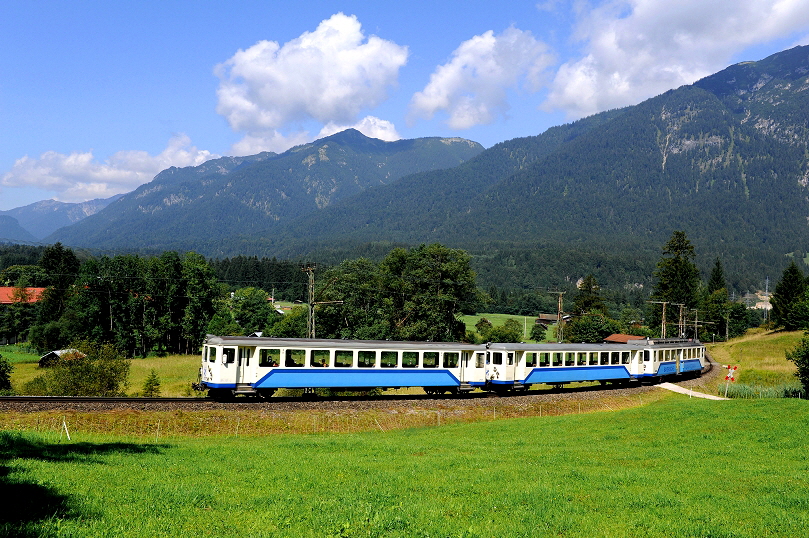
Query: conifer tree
pixel 789 305
pixel 151 387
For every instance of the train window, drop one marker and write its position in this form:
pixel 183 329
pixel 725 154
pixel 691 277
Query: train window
pixel 269 357
pixel 343 358
pixel 497 358
pixel 366 359
pixel 479 360
pixel 616 357
pixel 389 359
pixel 510 359
pixel 570 359
pixel 557 359
pixel 625 357
pixel 593 360
pixel 581 359
pixel 319 358
pixel 410 359
pixel 211 354
pixel 244 355
pixel 430 359
pixel 544 359
pixel 605 357
pixel 450 360
pixel 295 358
pixel 530 359
pixel 228 355
pixel 646 355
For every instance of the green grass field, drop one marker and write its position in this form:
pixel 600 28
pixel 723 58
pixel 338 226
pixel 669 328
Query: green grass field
pixel 677 467
pixel 654 464
pixel 527 322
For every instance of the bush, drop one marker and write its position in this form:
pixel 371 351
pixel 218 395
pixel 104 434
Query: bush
pixel 151 387
pixel 103 371
pixel 5 376
pixel 800 356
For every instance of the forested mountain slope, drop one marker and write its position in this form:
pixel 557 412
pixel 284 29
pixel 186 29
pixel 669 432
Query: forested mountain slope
pixel 43 218
pixel 248 195
pixel 724 159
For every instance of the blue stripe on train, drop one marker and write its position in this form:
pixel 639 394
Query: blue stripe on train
pixel 296 378
pixel 576 373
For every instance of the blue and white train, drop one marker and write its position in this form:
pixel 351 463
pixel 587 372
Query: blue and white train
pixel 258 366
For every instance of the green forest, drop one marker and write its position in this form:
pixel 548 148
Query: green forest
pixel 164 304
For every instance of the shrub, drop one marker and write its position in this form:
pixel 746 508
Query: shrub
pixel 103 371
pixel 151 387
pixel 800 356
pixel 5 375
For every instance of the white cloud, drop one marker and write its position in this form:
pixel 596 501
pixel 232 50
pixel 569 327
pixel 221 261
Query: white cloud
pixel 78 176
pixel 635 49
pixel 329 75
pixel 369 126
pixel 472 87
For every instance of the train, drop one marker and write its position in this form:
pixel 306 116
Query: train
pixel 258 366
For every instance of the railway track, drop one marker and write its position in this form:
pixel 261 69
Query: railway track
pixel 297 403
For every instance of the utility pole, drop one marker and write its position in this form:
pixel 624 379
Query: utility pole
pixel 310 327
pixel 680 321
pixel 663 324
pixel 560 322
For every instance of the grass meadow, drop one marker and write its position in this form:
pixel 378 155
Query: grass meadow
pixel 648 464
pixel 675 467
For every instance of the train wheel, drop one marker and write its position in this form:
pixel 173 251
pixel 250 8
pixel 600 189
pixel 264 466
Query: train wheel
pixel 265 394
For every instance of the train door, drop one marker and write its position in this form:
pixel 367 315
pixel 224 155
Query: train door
pixel 508 365
pixel 678 353
pixel 229 369
pixel 243 367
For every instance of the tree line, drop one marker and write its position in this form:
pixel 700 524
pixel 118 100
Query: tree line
pixel 167 303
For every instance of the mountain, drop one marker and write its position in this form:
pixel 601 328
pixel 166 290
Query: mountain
pixel 43 218
pixel 231 196
pixel 725 159
pixel 12 232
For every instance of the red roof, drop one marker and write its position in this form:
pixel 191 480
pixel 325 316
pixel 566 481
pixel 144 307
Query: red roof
pixel 622 338
pixel 7 295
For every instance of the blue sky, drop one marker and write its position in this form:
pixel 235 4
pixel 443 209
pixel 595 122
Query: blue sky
pixel 98 97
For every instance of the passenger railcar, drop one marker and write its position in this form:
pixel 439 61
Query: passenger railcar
pixel 259 366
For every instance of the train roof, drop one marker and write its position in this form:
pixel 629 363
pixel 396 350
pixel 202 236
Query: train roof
pixel 263 341
pixel 334 343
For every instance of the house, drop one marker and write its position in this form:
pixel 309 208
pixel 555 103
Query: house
pixel 8 295
pixel 50 358
pixel 621 338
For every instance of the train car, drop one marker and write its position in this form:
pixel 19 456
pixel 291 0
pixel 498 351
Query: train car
pixel 518 366
pixel 259 366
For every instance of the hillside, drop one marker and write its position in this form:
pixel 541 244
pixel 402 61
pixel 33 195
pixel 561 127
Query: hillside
pixel 12 232
pixel 231 196
pixel 43 218
pixel 724 159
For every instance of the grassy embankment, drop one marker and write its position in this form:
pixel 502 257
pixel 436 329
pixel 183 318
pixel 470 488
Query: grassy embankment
pixel 658 464
pixel 678 467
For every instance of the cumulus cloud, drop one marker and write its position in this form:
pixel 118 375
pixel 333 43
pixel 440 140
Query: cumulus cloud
pixel 472 87
pixel 369 126
pixel 635 49
pixel 79 176
pixel 330 75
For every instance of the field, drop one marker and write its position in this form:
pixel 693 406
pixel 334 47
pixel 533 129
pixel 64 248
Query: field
pixel 652 464
pixel 527 322
pixel 678 467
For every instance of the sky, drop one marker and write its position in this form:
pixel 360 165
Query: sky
pixel 97 97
